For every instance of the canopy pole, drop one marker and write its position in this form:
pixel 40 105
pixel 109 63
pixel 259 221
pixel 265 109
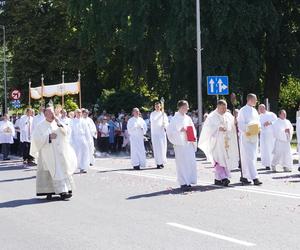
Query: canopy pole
pixel 29 93
pixel 62 89
pixel 79 78
pixel 42 91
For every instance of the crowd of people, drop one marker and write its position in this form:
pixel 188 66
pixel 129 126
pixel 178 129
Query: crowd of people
pixel 59 142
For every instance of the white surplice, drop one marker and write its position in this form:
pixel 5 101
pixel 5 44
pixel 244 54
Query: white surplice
pixel 80 136
pixel 7 132
pixel 282 153
pixel 137 128
pixel 248 147
pixel 267 138
pixel 184 150
pixel 56 159
pixel 93 135
pixel 220 147
pixel 159 122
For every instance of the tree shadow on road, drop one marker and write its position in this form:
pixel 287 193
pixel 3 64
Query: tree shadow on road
pixel 18 179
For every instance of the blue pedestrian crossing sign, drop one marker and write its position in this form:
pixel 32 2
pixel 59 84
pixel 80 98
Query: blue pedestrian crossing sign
pixel 217 85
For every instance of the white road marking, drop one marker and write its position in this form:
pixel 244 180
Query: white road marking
pixel 214 235
pixel 256 190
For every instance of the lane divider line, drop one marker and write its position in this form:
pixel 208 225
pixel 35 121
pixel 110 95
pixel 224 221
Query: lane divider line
pixel 210 234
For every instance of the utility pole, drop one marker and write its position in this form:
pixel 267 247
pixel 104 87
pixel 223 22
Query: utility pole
pixel 4 69
pixel 199 66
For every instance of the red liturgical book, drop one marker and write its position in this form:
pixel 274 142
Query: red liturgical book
pixel 190 134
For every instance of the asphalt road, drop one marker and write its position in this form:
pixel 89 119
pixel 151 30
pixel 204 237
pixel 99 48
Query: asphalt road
pixel 115 207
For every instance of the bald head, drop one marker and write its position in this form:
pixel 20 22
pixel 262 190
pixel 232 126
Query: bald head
pixel 251 100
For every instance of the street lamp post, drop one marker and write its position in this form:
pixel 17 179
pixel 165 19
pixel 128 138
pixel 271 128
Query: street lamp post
pixel 4 69
pixel 199 65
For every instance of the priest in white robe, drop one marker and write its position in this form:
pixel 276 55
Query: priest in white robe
pixel 249 126
pixel 80 136
pixel 282 154
pixel 267 138
pixel 218 140
pixel 184 149
pixel 137 128
pixel 93 135
pixel 56 159
pixel 7 133
pixel 159 122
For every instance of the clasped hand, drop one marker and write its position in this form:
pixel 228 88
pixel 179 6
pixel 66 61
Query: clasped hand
pixel 53 136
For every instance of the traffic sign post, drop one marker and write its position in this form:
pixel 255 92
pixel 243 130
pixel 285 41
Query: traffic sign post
pixel 15 94
pixel 217 85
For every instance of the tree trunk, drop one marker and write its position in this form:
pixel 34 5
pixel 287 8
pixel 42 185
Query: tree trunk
pixel 272 85
pixel 272 76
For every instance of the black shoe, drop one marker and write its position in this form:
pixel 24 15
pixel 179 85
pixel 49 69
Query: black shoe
pixel 137 167
pixel 82 171
pixel 268 168
pixel 6 159
pixel 49 197
pixel 160 166
pixel 186 188
pixel 245 181
pixel 225 182
pixel 218 183
pixel 65 196
pixel 257 182
pixel 299 169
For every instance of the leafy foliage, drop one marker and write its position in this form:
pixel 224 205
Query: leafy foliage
pixel 149 47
